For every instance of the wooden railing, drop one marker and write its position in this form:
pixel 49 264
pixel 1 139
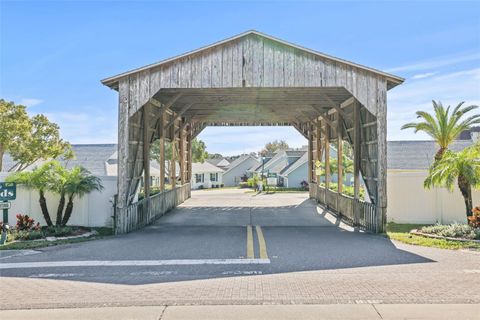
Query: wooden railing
pixel 144 212
pixel 354 212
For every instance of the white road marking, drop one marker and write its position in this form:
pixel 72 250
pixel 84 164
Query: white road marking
pixel 56 275
pixel 17 253
pixel 129 263
pixel 472 271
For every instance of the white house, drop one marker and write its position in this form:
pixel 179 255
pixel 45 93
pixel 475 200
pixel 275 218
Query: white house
pixel 206 175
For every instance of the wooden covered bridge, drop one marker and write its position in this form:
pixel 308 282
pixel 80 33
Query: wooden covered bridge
pixel 248 80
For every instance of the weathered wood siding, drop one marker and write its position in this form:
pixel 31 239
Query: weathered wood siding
pixel 254 61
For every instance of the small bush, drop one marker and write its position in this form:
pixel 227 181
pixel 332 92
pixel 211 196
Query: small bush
pixel 25 235
pixel 58 231
pixel 456 230
pixel 25 223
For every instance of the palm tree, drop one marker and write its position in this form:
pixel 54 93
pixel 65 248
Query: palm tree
pixel 444 127
pixel 462 167
pixel 41 179
pixel 78 182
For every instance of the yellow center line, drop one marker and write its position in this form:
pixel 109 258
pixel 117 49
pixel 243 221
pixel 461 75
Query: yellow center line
pixel 250 252
pixel 261 243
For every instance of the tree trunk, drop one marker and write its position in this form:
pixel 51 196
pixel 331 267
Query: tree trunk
pixel 61 206
pixel 68 210
pixel 466 191
pixel 43 206
pixel 1 158
pixel 439 154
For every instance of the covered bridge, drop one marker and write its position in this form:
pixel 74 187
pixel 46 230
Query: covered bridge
pixel 253 79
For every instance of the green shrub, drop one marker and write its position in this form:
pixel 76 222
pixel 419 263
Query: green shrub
pixel 456 230
pixel 25 235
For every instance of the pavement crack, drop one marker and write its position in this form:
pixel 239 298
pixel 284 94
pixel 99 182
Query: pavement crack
pixel 163 312
pixel 375 308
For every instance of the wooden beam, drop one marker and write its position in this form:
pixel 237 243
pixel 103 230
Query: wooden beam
pixel 310 156
pixel 339 154
pixel 327 157
pixel 146 152
pixel 328 121
pixel 318 138
pixel 161 139
pixel 356 151
pixel 182 153
pixel 173 170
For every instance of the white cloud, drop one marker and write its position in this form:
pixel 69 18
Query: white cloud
pixel 424 75
pixel 437 62
pixel 451 89
pixel 30 102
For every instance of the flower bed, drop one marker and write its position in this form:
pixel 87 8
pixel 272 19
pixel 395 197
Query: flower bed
pixel 27 230
pixel 456 231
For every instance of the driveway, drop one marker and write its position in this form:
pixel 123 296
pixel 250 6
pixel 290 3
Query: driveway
pixel 233 247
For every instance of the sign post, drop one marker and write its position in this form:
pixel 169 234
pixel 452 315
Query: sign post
pixel 8 191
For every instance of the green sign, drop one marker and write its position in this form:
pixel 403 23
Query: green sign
pixel 8 191
pixel 272 175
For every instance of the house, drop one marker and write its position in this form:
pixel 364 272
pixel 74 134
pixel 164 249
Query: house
pixel 218 162
pixel 280 160
pixel 205 175
pixel 237 169
pixel 295 173
pixel 92 157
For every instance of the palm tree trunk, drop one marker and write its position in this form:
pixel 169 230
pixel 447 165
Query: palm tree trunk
pixel 466 191
pixel 439 154
pixel 68 210
pixel 61 206
pixel 43 206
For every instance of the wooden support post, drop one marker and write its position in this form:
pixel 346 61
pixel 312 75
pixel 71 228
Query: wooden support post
pixel 182 152
pixel 173 169
pixel 146 151
pixel 162 133
pixel 381 200
pixel 356 150
pixel 123 146
pixel 339 154
pixel 327 156
pixel 189 153
pixel 310 154
pixel 318 138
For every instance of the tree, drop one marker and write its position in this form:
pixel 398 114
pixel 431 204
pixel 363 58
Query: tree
pixel 14 127
pixel 77 183
pixel 198 150
pixel 444 127
pixel 215 156
pixel 42 179
pixel 42 142
pixel 274 146
pixel 28 139
pixel 461 167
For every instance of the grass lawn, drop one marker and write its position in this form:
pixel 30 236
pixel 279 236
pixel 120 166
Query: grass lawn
pixel 102 232
pixel 400 232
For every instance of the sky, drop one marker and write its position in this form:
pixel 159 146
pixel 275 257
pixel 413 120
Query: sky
pixel 53 54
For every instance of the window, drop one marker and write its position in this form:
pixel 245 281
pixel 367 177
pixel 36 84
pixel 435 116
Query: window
pixel 198 177
pixel 214 177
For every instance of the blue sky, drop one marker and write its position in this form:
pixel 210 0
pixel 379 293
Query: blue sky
pixel 54 53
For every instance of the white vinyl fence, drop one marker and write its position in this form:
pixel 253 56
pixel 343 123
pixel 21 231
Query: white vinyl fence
pixel 409 202
pixel 92 210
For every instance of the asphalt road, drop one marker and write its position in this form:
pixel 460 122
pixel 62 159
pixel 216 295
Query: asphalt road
pixel 223 233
